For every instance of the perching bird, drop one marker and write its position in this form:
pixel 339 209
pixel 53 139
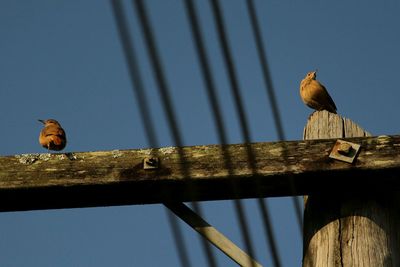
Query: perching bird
pixel 52 135
pixel 315 95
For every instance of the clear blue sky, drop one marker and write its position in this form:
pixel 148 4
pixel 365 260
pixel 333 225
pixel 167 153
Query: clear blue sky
pixel 63 60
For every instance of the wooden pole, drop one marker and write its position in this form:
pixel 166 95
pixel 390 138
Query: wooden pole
pixel 360 228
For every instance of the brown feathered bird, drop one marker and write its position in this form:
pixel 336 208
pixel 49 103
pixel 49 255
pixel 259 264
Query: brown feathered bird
pixel 52 136
pixel 315 95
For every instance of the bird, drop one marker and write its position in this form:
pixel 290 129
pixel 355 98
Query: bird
pixel 315 95
pixel 52 136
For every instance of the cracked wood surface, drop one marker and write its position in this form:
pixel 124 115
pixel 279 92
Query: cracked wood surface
pixel 105 178
pixel 357 228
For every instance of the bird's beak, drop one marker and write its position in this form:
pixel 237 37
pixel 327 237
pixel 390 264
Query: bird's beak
pixel 42 121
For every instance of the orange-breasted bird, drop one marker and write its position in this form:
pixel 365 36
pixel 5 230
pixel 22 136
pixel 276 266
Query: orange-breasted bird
pixel 315 95
pixel 52 136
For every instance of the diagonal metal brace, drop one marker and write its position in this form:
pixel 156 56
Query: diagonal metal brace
pixel 212 235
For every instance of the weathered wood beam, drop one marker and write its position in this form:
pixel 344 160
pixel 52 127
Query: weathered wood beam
pixel 105 178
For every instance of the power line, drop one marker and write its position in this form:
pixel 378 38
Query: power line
pixel 134 71
pixel 163 89
pixel 137 86
pixel 141 13
pixel 218 120
pixel 234 85
pixel 271 92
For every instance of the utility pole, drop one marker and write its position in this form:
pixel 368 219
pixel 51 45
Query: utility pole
pixel 350 227
pixel 351 215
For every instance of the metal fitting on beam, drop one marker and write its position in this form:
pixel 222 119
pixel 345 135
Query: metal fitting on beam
pixel 344 151
pixel 150 163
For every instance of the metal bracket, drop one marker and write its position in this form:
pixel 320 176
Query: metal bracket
pixel 150 163
pixel 344 151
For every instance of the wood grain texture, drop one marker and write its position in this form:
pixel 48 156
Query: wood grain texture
pixel 105 178
pixel 356 228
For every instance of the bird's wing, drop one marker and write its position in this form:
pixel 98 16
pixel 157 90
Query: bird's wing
pixel 55 131
pixel 322 95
